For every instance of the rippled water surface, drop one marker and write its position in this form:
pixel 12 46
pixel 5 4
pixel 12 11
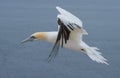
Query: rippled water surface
pixel 21 18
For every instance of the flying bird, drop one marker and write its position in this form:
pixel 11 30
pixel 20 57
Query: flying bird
pixel 69 35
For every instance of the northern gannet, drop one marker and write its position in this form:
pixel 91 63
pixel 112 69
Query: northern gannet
pixel 69 35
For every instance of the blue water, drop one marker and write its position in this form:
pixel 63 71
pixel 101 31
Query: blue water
pixel 21 18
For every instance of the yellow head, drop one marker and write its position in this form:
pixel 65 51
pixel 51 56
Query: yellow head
pixel 36 36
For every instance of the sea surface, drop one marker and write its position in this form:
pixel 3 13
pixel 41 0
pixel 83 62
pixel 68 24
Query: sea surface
pixel 20 18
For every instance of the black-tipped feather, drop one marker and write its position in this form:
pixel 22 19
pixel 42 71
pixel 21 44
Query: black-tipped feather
pixel 63 36
pixel 63 33
pixel 54 51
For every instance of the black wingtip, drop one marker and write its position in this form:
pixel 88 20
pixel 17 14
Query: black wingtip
pixel 54 51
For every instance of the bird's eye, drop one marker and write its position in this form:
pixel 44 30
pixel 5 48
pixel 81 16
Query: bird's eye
pixel 32 37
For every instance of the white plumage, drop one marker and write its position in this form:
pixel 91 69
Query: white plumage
pixel 69 35
pixel 69 16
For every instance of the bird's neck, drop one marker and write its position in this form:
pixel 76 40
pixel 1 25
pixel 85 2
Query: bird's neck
pixel 51 36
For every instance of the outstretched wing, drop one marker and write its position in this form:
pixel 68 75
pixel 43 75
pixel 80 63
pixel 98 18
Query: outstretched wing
pixel 70 28
pixel 70 17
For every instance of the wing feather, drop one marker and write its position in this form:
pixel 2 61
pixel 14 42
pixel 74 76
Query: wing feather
pixel 70 27
pixel 70 16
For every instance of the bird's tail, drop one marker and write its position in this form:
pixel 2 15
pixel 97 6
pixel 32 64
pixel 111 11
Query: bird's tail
pixel 95 55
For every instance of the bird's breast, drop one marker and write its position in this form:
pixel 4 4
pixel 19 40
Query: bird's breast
pixel 71 44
